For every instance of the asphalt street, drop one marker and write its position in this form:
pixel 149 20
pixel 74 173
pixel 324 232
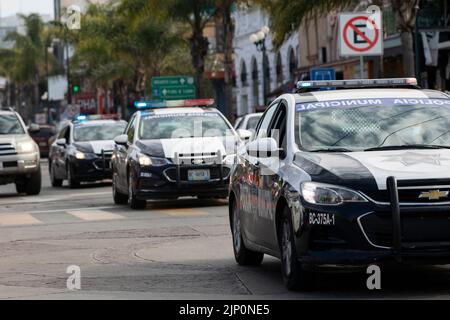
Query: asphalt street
pixel 172 250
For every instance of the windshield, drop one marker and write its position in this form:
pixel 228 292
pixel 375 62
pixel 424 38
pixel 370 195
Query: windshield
pixel 9 124
pixel 397 122
pixel 183 125
pixel 98 132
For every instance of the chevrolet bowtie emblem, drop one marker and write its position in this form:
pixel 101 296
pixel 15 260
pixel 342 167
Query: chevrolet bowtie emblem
pixel 434 194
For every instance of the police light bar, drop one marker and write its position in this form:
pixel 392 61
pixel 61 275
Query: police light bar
pixel 357 83
pixel 174 103
pixel 90 117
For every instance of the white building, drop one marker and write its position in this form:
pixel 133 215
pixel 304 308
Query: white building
pixel 249 61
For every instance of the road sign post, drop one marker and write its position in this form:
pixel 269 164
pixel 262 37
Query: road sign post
pixel 360 34
pixel 173 88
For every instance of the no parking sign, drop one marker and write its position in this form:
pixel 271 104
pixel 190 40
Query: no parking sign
pixel 360 34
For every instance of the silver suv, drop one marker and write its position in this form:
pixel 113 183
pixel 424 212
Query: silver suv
pixel 19 154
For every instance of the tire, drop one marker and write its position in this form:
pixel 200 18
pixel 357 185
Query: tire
pixel 31 185
pixel 73 183
pixel 242 255
pixel 53 180
pixel 294 276
pixel 135 204
pixel 119 198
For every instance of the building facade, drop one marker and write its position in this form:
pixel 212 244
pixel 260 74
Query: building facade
pixel 281 64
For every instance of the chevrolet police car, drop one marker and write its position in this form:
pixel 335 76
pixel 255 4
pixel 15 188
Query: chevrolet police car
pixel 173 149
pixel 83 148
pixel 354 176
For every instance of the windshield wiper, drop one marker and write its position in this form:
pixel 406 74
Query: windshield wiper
pixel 331 150
pixel 407 146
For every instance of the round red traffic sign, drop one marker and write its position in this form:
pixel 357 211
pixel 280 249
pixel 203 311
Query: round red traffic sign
pixel 370 42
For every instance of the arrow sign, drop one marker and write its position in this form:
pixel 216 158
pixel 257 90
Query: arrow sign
pixel 173 87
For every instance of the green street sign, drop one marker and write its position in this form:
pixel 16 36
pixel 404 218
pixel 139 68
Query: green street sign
pixel 173 88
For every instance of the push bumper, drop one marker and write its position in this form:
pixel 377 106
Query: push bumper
pixel 377 233
pixel 89 170
pixel 172 181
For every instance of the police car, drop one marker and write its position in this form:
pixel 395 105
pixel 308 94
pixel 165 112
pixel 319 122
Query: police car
pixel 354 176
pixel 83 149
pixel 173 149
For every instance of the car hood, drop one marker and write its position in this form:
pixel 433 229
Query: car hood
pixel 166 148
pixel 369 170
pixel 95 146
pixel 14 138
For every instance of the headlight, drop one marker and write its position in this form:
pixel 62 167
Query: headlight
pixel 147 161
pixel 25 147
pixel 80 155
pixel 320 193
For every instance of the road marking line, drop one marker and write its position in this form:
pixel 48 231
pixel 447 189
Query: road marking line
pixel 42 199
pixel 71 209
pixel 183 212
pixel 18 219
pixel 95 215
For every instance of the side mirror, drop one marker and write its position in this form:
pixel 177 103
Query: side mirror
pixel 263 148
pixel 33 128
pixel 61 142
pixel 121 140
pixel 244 134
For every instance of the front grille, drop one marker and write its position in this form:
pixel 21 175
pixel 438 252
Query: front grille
pixel 418 226
pixel 10 164
pixel 410 195
pixel 7 149
pixel 214 173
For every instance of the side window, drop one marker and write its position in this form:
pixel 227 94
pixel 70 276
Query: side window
pixel 264 123
pixel 279 125
pixel 130 131
pixel 62 133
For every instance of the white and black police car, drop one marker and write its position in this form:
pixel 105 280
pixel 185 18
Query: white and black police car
pixel 174 149
pixel 83 149
pixel 353 176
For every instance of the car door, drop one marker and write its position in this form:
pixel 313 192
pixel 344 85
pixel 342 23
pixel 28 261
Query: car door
pixel 123 154
pixel 269 181
pixel 250 186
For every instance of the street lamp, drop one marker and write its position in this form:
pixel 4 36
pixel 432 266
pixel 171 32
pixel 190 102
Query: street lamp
pixel 259 40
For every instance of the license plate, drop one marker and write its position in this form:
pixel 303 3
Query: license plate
pixel 323 219
pixel 198 175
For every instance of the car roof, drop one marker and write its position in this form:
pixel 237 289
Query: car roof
pixel 198 110
pixel 327 95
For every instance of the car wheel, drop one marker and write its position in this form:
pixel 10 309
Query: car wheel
pixel 54 181
pixel 73 183
pixel 243 256
pixel 30 185
pixel 294 276
pixel 134 203
pixel 119 198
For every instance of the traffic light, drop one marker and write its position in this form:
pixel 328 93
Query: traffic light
pixel 75 88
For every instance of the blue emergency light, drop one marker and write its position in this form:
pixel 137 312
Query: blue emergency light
pixel 173 103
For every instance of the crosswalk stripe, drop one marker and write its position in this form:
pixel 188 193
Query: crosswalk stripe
pixel 18 219
pixel 183 212
pixel 95 215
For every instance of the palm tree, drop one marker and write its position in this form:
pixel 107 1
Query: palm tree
pixel 196 14
pixel 25 62
pixel 287 16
